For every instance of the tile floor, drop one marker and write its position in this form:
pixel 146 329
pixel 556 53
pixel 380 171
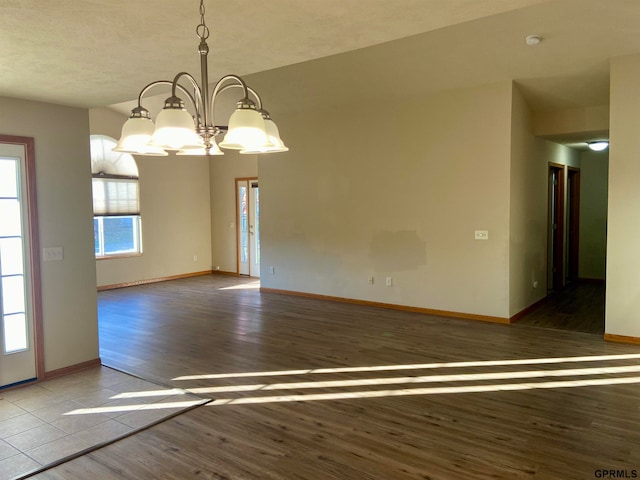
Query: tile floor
pixel 43 423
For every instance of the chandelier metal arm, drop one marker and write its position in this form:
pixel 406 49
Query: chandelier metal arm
pixel 249 89
pixel 198 100
pixel 194 83
pixel 240 83
pixel 167 82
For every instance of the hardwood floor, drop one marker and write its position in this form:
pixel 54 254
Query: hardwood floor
pixel 578 307
pixel 448 399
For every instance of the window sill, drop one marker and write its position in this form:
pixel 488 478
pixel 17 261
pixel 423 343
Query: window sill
pixel 121 255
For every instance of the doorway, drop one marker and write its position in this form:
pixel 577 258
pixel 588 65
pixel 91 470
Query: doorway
pixel 555 230
pixel 574 302
pixel 20 298
pixel 564 227
pixel 248 226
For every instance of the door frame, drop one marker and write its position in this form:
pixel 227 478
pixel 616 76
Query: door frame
pixel 28 143
pixel 248 181
pixel 556 234
pixel 254 228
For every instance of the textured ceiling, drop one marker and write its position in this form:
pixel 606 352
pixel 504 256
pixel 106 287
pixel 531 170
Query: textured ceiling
pixel 101 52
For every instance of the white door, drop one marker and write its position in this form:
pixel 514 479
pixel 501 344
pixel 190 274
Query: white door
pixel 254 229
pixel 248 231
pixel 17 347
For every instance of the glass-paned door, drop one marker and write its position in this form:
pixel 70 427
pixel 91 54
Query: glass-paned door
pixel 254 229
pixel 17 328
pixel 248 231
pixel 242 208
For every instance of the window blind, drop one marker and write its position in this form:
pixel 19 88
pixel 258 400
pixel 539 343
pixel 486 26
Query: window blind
pixel 115 196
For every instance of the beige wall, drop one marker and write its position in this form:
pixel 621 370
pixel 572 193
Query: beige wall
pixel 65 220
pixel 623 254
pixel 594 181
pixel 224 170
pixel 583 120
pixel 175 207
pixel 353 200
pixel 528 210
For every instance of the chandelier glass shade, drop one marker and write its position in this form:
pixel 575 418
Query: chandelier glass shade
pixel 246 128
pixel 274 143
pixel 250 129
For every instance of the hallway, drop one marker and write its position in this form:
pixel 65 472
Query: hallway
pixel 577 308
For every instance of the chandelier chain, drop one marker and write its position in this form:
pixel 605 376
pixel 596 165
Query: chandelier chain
pixel 202 30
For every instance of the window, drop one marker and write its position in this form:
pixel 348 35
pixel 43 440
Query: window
pixel 12 271
pixel 116 206
pixel 116 235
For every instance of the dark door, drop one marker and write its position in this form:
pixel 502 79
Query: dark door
pixel 556 227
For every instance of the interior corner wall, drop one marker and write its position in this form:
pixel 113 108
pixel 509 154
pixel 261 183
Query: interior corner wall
pixel 528 211
pixel 594 182
pixel 350 201
pixel 63 176
pixel 224 171
pixel 623 232
pixel 175 210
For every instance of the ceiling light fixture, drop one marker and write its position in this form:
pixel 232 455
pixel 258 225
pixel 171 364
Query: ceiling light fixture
pixel 598 145
pixel 250 128
pixel 532 40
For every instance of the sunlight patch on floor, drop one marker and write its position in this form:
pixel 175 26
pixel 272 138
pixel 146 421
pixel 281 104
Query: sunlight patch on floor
pixel 131 408
pixel 469 377
pixel 149 393
pixel 480 363
pixel 427 391
pixel 243 286
pixel 452 383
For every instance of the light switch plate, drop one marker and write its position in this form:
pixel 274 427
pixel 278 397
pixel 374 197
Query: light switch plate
pixel 52 254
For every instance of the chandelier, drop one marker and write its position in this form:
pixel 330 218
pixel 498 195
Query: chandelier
pixel 249 130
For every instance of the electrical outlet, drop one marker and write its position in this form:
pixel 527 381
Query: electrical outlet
pixel 371 280
pixel 482 235
pixel 389 281
pixel 272 270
